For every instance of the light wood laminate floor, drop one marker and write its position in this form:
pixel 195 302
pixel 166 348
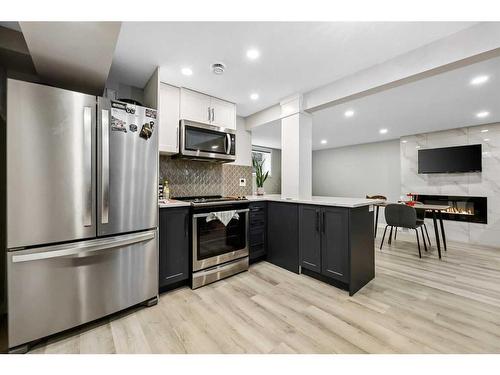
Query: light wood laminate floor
pixel 412 306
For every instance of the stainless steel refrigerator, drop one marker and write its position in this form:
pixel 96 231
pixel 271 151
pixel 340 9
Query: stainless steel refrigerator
pixel 82 214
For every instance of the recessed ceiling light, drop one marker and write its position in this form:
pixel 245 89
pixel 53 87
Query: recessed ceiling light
pixel 323 141
pixel 253 54
pixel 479 80
pixel 215 146
pixel 254 96
pixel 404 141
pixel 186 71
pixel 482 114
pixel 349 113
pixel 486 139
pixel 383 131
pixel 484 131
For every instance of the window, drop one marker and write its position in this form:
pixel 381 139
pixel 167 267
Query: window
pixel 263 155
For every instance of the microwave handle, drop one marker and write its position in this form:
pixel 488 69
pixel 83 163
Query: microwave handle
pixel 229 143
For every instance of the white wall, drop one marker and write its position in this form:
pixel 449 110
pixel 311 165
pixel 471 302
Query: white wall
pixel 243 143
pixel 354 171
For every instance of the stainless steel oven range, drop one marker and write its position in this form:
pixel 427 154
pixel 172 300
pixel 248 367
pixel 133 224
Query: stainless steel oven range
pixel 219 230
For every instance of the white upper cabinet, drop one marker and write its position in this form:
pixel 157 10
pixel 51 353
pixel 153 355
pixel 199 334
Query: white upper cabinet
pixel 169 119
pixel 206 109
pixel 223 113
pixel 195 106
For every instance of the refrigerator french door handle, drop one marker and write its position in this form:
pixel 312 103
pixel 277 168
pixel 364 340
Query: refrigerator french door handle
pixel 105 166
pixel 87 166
pixel 82 249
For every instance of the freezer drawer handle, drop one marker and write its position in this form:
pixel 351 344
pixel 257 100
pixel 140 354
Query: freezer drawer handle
pixel 83 249
pixel 87 166
pixel 105 168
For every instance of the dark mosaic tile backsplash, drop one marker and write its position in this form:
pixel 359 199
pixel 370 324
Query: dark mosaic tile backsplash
pixel 194 178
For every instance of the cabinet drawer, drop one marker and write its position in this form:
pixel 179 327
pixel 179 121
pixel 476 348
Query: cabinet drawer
pixel 257 251
pixel 257 237
pixel 257 219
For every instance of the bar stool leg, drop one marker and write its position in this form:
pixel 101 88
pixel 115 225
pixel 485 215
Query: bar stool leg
pixel 428 238
pixel 390 237
pixel 381 243
pixel 423 237
pixel 418 244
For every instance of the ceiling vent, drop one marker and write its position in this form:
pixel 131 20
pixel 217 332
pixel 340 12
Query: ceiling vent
pixel 218 68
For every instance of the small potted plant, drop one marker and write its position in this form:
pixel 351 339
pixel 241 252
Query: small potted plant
pixel 260 177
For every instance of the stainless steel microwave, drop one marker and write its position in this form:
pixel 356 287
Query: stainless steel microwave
pixel 206 142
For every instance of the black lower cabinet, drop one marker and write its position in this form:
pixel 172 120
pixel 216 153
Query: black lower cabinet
pixel 174 247
pixel 310 237
pixel 337 245
pixel 282 235
pixel 257 241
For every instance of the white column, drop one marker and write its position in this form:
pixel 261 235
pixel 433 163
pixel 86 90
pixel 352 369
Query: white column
pixel 296 150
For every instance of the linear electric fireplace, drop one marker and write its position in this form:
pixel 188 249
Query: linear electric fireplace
pixel 470 209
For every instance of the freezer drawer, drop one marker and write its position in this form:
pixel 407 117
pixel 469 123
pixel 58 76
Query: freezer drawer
pixel 54 288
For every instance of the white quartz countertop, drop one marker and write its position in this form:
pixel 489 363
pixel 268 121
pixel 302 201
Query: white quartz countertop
pixel 173 203
pixel 318 200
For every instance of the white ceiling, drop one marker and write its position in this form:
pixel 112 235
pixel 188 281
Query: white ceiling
pixel 444 101
pixel 295 56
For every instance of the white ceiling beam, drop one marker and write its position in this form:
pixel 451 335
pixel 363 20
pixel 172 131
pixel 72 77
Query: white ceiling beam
pixel 263 117
pixel 473 44
pixel 73 55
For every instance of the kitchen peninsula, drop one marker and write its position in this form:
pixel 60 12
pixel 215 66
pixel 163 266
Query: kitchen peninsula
pixel 327 238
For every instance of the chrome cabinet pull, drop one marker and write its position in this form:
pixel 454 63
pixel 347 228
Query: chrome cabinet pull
pixel 208 114
pixel 105 167
pixel 213 115
pixel 177 138
pixel 87 166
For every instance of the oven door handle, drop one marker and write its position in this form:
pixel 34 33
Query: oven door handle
pixel 208 213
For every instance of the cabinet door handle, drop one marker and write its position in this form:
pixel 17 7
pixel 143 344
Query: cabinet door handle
pixel 208 114
pixel 213 115
pixel 317 221
pixel 177 138
pixel 186 226
pixel 323 222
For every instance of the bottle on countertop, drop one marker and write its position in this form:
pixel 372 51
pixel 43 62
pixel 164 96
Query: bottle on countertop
pixel 166 190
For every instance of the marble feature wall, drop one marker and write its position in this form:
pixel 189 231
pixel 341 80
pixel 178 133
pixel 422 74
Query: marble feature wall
pixel 484 184
pixel 194 178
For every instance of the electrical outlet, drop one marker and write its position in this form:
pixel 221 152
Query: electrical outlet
pixel 243 182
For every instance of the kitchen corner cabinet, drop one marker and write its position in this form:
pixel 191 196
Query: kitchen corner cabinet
pixel 282 235
pixel 203 108
pixel 174 246
pixel 169 105
pixel 337 245
pixel 258 231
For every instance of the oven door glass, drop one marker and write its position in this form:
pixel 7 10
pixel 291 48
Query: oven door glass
pixel 214 238
pixel 205 140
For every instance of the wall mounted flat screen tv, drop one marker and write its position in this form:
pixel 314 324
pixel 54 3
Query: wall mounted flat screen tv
pixel 460 159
